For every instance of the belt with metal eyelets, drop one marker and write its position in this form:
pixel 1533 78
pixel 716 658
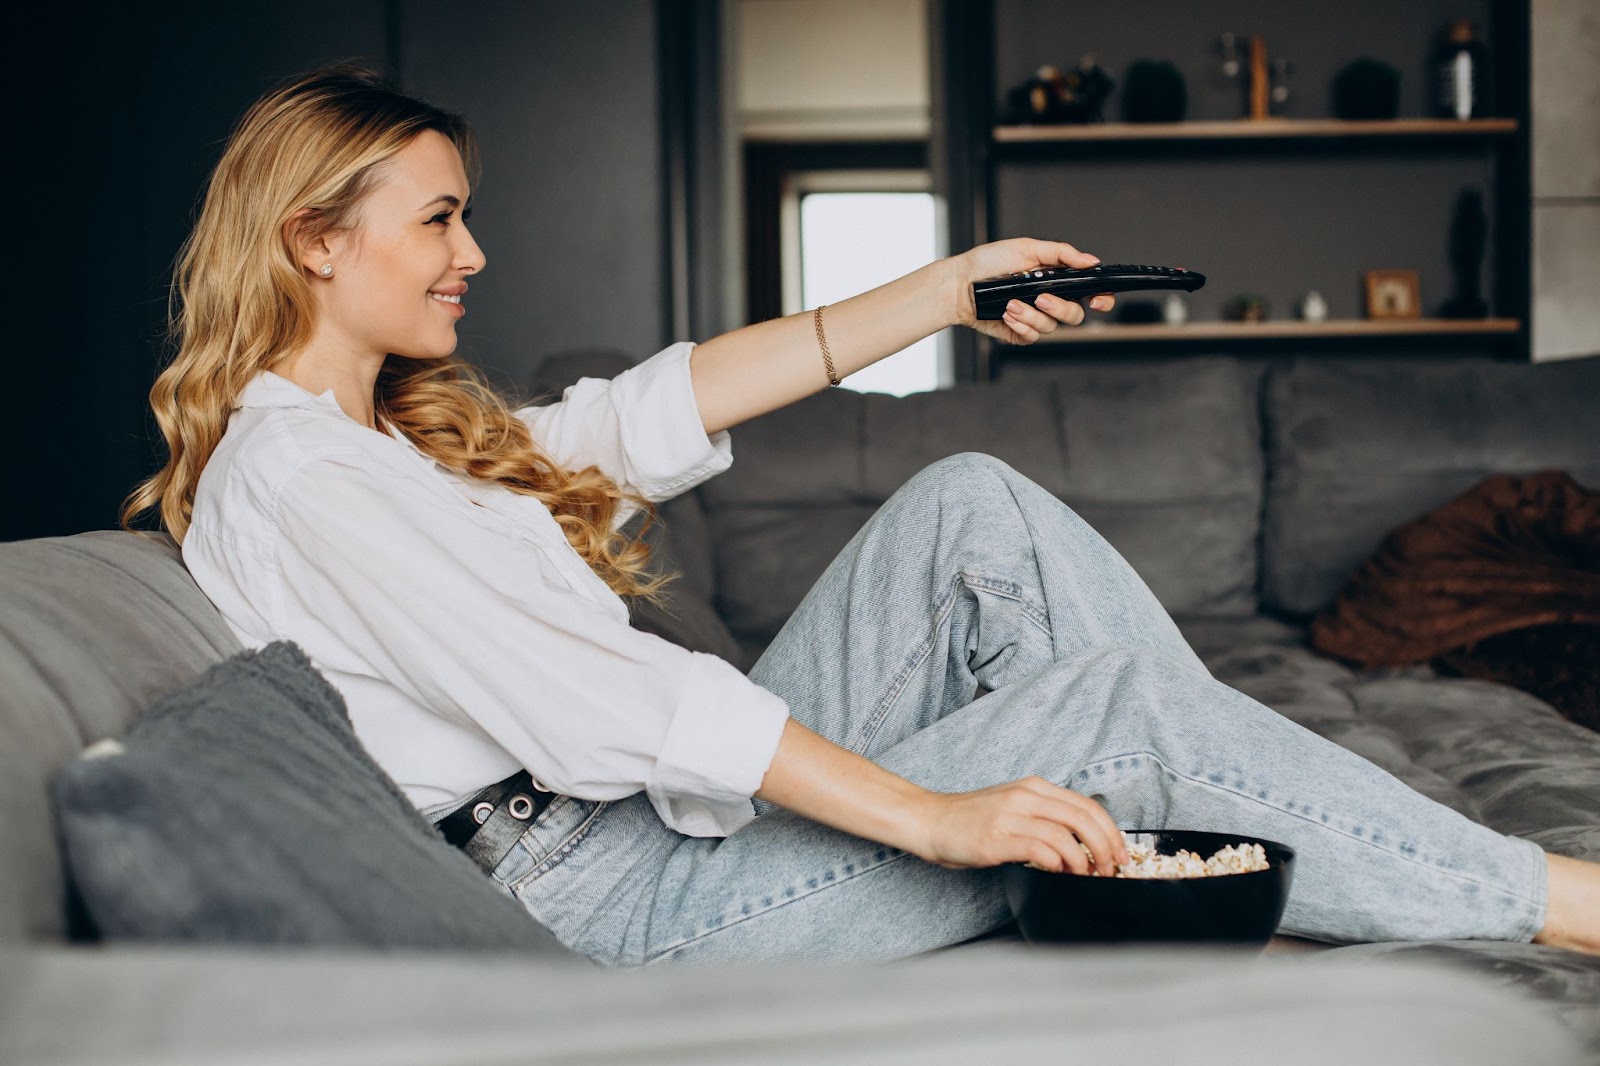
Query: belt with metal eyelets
pixel 486 825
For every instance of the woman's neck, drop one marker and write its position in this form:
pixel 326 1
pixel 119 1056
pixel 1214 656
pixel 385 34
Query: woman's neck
pixel 353 379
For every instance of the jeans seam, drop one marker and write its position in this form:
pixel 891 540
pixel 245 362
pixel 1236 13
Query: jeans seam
pixel 1012 591
pixel 897 684
pixel 559 851
pixel 1541 910
pixel 998 586
pixel 1315 823
pixel 1038 567
pixel 822 886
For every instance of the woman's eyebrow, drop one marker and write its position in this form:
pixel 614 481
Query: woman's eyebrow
pixel 445 198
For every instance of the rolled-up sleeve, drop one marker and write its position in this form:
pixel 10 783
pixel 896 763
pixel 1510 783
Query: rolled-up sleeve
pixel 642 428
pixel 478 626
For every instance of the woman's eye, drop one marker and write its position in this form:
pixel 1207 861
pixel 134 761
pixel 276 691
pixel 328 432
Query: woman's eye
pixel 442 216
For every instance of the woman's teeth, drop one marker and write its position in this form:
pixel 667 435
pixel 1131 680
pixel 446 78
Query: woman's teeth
pixel 446 299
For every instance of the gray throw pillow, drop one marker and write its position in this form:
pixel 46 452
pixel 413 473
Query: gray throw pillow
pixel 242 808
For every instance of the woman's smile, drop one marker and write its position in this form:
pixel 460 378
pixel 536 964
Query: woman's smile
pixel 451 304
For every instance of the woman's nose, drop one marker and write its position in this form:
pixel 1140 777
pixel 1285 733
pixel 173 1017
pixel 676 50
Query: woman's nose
pixel 471 257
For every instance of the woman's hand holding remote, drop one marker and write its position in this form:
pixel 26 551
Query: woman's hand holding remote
pixel 766 365
pixel 1022 324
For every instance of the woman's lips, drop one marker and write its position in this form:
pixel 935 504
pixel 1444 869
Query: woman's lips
pixel 455 310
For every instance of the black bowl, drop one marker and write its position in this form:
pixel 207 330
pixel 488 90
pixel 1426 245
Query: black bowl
pixel 1233 908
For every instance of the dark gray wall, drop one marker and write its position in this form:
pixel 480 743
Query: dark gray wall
pixel 1277 220
pixel 118 115
pixel 569 214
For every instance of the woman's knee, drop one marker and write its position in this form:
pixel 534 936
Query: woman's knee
pixel 969 479
pixel 964 468
pixel 1121 659
pixel 1136 683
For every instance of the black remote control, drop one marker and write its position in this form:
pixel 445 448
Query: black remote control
pixel 992 294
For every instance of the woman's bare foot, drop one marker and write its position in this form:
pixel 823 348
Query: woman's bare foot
pixel 1572 919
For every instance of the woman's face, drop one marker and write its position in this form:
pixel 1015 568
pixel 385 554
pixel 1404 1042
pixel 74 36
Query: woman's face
pixel 412 243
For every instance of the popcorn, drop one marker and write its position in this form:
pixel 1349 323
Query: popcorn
pixel 1144 862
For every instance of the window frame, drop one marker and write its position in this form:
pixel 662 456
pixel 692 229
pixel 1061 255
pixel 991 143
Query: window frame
pixel 798 184
pixel 778 173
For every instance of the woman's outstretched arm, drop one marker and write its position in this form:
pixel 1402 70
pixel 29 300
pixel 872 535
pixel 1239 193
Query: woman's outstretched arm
pixel 768 365
pixel 1031 820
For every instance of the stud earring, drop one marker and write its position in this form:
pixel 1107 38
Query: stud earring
pixel 327 270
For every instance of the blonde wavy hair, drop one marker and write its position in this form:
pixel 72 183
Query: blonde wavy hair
pixel 239 299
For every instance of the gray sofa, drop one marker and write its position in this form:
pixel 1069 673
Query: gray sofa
pixel 1243 494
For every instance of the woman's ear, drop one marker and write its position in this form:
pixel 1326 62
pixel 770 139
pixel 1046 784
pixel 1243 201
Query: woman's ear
pixel 310 252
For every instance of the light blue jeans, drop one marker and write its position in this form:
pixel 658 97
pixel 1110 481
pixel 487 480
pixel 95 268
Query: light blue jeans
pixel 971 574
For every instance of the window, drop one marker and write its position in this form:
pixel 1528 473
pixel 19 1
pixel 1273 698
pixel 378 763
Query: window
pixel 844 232
pixel 827 221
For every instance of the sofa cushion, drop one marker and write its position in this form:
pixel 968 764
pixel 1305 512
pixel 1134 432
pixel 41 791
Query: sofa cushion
pixel 1565 984
pixel 1357 448
pixel 1497 755
pixel 1530 772
pixel 1269 662
pixel 1560 664
pixel 1165 463
pixel 1132 1005
pixel 93 628
pixel 769 557
pixel 242 809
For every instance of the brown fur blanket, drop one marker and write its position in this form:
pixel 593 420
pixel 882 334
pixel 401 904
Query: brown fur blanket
pixel 1502 582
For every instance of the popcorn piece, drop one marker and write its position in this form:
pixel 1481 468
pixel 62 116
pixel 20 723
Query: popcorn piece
pixel 1144 862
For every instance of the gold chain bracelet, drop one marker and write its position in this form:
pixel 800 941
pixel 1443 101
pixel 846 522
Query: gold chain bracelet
pixel 822 340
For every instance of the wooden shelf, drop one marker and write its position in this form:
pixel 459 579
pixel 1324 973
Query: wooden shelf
pixel 1264 193
pixel 1099 332
pixel 1246 129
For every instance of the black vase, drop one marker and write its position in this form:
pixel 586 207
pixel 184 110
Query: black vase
pixel 1366 89
pixel 1468 237
pixel 1154 92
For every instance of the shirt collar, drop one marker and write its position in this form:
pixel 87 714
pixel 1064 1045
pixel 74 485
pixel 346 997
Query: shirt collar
pixel 268 389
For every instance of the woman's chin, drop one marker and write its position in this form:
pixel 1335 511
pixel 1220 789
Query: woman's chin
pixel 427 355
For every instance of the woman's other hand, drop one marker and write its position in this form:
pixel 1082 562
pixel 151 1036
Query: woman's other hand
pixel 1031 821
pixel 1022 324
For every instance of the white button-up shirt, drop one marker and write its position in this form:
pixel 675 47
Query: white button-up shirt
pixel 468 638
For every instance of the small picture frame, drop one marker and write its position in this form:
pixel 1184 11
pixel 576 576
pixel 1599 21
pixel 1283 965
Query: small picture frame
pixel 1393 294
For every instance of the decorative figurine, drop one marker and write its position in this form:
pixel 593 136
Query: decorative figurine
pixel 1246 307
pixel 1467 238
pixel 1050 96
pixel 1278 94
pixel 1258 105
pixel 1227 49
pixel 1313 308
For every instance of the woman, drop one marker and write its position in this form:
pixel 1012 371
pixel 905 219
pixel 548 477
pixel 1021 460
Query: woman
pixel 456 569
